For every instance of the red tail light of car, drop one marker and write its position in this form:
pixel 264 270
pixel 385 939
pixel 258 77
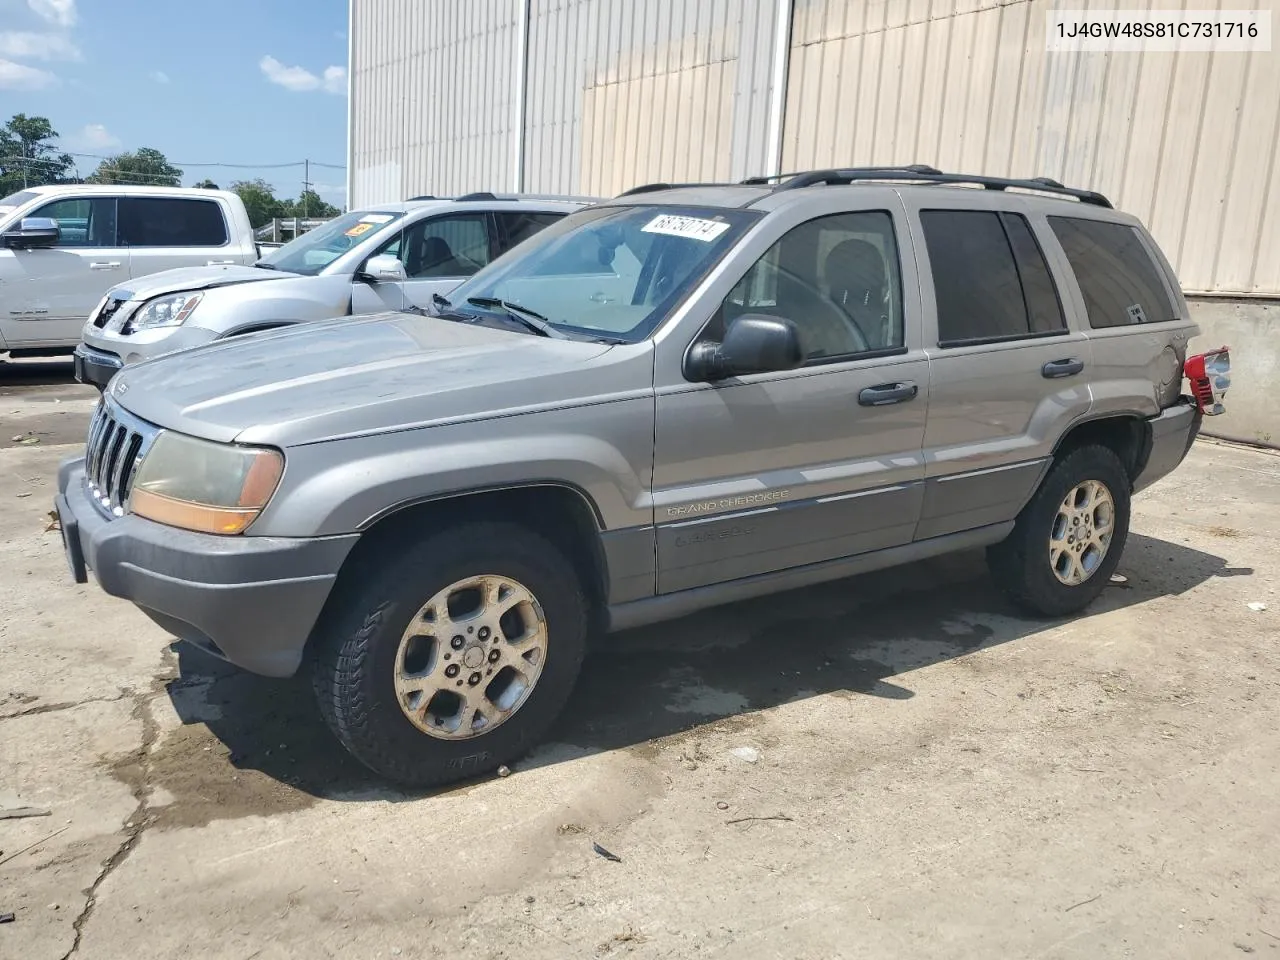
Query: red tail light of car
pixel 1210 376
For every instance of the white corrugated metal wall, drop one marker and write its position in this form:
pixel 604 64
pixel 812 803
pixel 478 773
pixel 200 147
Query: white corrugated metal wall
pixel 1186 141
pixel 433 88
pixel 621 92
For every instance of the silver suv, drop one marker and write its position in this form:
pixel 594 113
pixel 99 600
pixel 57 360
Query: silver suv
pixel 678 398
pixel 393 257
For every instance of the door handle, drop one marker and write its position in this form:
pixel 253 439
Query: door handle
pixel 886 393
pixel 103 264
pixel 1061 368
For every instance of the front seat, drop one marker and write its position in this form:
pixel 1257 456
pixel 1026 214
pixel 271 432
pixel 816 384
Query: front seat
pixel 855 280
pixel 431 257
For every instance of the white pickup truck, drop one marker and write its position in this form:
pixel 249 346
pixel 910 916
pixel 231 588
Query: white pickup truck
pixel 63 246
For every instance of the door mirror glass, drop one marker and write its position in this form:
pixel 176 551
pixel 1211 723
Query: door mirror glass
pixel 384 268
pixel 33 232
pixel 753 344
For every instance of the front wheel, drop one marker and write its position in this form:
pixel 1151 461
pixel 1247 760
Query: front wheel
pixel 1068 539
pixel 454 654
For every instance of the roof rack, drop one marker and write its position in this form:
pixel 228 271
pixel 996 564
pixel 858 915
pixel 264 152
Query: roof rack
pixel 929 175
pixel 654 187
pixel 425 196
pixel 915 168
pixel 478 195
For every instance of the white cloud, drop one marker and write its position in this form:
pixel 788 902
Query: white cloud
pixel 335 79
pixel 159 76
pixel 93 136
pixel 37 46
pixel 61 12
pixel 300 79
pixel 14 76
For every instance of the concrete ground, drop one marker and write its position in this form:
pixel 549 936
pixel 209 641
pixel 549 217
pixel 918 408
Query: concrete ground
pixel 891 766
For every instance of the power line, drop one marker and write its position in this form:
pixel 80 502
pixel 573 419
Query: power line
pixel 184 164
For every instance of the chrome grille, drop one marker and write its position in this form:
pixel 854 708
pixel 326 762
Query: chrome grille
pixel 117 442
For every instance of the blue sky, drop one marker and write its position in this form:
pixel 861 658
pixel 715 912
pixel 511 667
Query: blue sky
pixel 254 82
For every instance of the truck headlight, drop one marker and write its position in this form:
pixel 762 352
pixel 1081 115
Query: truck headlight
pixel 204 486
pixel 169 311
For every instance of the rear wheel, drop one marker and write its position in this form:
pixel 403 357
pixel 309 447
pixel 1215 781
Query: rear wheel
pixel 454 654
pixel 1068 539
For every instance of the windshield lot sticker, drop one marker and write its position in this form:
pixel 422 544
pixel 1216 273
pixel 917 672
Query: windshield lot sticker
pixel 359 228
pixel 376 218
pixel 1136 313
pixel 691 228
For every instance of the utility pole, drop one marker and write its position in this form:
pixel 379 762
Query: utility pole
pixel 306 184
pixel 24 162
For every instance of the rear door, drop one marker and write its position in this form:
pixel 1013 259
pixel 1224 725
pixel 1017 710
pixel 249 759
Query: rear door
pixel 1008 373
pixel 167 232
pixel 771 471
pixel 49 292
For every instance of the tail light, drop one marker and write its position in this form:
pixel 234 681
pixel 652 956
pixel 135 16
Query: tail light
pixel 1210 375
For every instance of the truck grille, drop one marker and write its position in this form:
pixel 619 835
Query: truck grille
pixel 108 310
pixel 116 445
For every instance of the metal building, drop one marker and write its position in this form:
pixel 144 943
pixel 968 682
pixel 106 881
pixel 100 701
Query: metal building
pixel 594 96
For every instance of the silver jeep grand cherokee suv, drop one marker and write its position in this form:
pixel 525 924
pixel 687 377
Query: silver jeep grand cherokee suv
pixel 681 397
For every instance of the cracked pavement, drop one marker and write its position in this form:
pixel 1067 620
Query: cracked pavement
pixel 956 781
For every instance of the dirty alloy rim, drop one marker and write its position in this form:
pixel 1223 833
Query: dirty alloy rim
pixel 470 657
pixel 1082 531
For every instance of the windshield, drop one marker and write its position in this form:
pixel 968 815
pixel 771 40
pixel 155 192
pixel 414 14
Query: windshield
pixel 316 249
pixel 14 200
pixel 611 272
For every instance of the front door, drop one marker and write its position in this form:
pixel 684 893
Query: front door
pixel 46 294
pixel 772 471
pixel 438 253
pixel 1009 375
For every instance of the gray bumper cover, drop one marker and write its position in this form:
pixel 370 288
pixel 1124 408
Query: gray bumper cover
pixel 249 600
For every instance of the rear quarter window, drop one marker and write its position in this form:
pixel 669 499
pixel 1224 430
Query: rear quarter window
pixel 1120 282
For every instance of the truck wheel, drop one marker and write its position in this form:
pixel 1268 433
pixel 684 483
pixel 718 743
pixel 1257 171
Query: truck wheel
pixel 452 655
pixel 1069 537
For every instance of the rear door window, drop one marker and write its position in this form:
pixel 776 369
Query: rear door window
pixel 171 222
pixel 516 226
pixel 1120 283
pixel 990 279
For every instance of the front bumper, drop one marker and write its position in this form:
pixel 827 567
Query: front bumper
pixel 95 367
pixel 252 601
pixel 1172 433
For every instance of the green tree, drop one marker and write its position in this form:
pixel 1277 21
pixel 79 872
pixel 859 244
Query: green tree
pixel 27 157
pixel 259 200
pixel 309 204
pixel 142 167
pixel 207 184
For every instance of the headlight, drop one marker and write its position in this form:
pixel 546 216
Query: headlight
pixel 204 486
pixel 170 311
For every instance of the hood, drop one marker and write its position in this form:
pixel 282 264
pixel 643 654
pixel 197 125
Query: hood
pixel 374 374
pixel 194 278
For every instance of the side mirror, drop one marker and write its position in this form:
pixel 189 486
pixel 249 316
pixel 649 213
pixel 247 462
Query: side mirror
pixel 33 232
pixel 753 344
pixel 383 268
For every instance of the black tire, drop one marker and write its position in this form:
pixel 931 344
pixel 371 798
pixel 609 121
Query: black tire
pixel 1020 564
pixel 353 666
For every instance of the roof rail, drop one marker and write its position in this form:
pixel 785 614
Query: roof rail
pixel 912 168
pixel 425 196
pixel 853 174
pixel 655 187
pixel 478 195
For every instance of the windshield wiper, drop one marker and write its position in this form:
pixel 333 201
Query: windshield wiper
pixel 530 319
pixel 263 265
pixel 440 301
